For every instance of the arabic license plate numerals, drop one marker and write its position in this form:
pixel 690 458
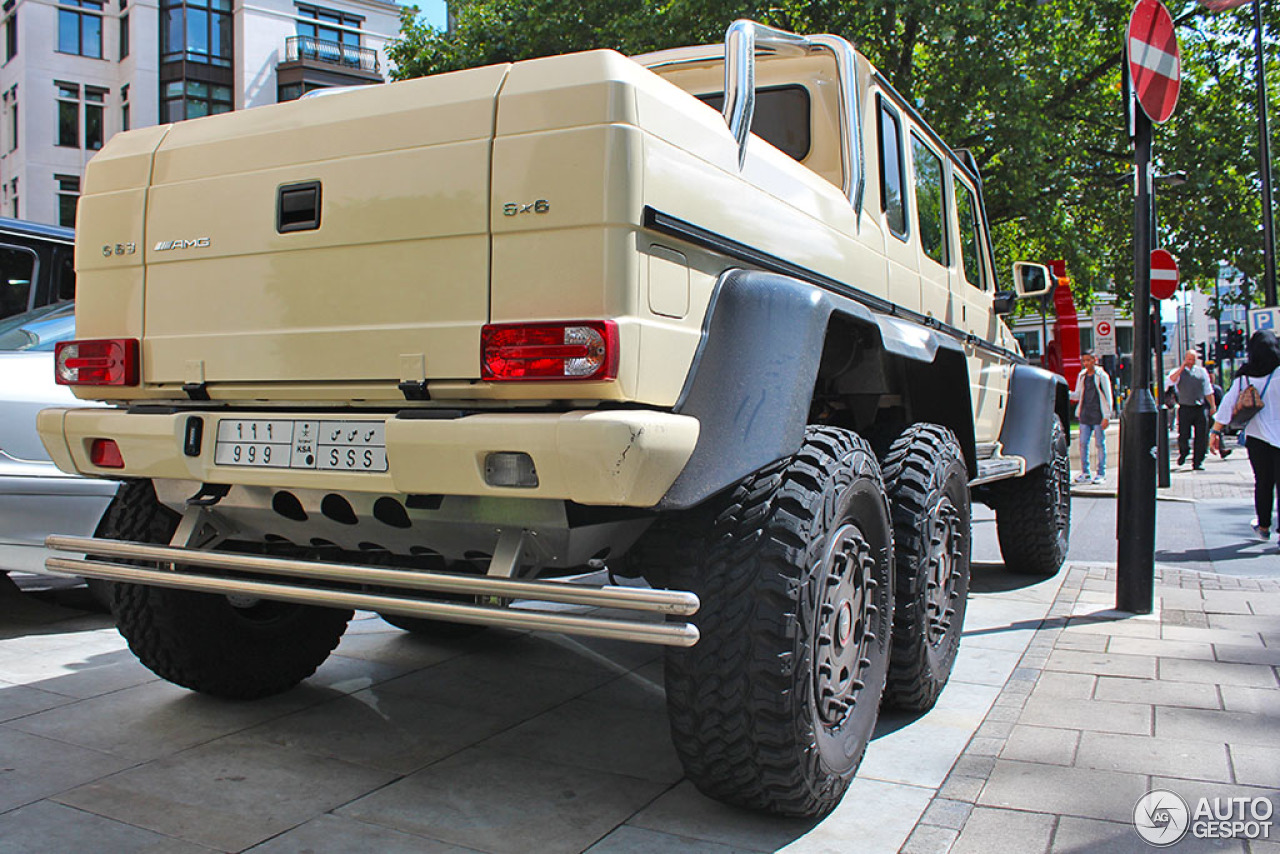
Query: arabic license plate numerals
pixel 299 444
pixel 353 459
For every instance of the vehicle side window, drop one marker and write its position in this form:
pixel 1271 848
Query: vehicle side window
pixel 64 271
pixel 930 208
pixel 17 272
pixel 891 180
pixel 970 246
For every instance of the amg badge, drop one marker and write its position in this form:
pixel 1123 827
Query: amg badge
pixel 166 245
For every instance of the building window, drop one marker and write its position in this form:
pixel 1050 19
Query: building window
pixel 68 197
pixel 11 110
pixel 124 35
pixel 94 101
pixel 11 37
pixel 14 197
pixel 191 99
pixel 68 115
pixel 124 107
pixel 294 91
pixel 196 31
pixel 80 29
pixel 328 25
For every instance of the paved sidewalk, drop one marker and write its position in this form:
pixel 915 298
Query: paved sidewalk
pixel 1106 706
pixel 1060 714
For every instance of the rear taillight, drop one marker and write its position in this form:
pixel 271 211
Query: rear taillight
pixel 580 350
pixel 110 361
pixel 105 453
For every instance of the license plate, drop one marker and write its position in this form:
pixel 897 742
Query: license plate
pixel 290 444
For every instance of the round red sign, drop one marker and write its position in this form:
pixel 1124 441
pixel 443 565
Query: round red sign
pixel 1164 274
pixel 1104 329
pixel 1155 66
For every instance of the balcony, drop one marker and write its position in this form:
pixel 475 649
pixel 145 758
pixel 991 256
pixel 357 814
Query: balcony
pixel 311 63
pixel 306 50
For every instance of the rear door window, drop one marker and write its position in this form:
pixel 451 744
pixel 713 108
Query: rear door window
pixel 970 236
pixel 930 208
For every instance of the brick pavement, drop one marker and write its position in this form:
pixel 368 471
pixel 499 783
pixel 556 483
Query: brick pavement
pixel 1104 707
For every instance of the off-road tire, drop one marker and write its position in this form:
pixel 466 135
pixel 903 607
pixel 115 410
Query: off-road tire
pixel 200 640
pixel 1033 514
pixel 773 708
pixel 428 628
pixel 928 486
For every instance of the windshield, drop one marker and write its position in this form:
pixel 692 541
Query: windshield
pixel 39 329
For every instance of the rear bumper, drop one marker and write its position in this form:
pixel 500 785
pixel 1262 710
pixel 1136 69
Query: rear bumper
pixel 615 458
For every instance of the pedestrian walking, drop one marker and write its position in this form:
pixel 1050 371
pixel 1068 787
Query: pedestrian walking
pixel 1093 411
pixel 1262 432
pixel 1195 397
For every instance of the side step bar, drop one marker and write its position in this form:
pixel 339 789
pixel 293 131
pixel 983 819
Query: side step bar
pixel 179 568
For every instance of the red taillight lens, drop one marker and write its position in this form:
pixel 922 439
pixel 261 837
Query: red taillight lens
pixel 112 361
pixel 105 453
pixel 581 350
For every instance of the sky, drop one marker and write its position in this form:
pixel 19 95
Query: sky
pixel 434 12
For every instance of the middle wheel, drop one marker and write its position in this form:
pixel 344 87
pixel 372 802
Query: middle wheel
pixel 928 487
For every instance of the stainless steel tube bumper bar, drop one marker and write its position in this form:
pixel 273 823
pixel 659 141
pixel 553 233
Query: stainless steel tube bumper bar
pixel 177 565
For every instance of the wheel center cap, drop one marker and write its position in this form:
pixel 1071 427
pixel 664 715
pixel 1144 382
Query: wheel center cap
pixel 844 623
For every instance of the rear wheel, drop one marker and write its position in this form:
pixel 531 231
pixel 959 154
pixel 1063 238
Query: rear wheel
pixel 227 646
pixel 775 705
pixel 928 488
pixel 1033 514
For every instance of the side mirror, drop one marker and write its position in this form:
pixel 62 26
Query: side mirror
pixel 1003 302
pixel 1032 280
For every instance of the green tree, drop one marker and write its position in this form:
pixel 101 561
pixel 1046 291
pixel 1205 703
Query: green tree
pixel 1032 88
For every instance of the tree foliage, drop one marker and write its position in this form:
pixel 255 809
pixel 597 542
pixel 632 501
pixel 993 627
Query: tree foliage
pixel 1032 87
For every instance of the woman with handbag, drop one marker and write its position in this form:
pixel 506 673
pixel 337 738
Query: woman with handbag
pixel 1253 402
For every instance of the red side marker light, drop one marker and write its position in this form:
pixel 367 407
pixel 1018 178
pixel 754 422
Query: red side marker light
pixel 105 453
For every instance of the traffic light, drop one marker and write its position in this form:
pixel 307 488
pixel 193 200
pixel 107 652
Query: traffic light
pixel 1235 342
pixel 1164 338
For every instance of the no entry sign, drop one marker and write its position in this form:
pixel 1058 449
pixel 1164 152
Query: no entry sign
pixel 1164 274
pixel 1155 67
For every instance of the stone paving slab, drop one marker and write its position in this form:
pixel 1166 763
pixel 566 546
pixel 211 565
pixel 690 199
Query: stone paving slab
pixel 1066 781
pixel 509 741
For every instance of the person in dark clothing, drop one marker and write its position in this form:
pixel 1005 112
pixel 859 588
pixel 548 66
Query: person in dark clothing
pixel 1195 393
pixel 1262 433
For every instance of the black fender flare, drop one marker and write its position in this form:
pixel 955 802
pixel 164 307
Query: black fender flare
pixel 752 379
pixel 1035 395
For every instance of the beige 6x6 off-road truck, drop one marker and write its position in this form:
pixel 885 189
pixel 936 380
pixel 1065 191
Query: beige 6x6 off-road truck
pixel 721 321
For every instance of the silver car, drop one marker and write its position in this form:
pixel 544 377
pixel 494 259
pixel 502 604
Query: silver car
pixel 36 499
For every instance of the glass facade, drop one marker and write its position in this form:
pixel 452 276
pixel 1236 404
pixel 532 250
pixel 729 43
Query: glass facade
pixel 196 31
pixel 191 99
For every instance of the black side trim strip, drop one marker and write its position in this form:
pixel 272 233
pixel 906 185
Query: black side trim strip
pixel 687 231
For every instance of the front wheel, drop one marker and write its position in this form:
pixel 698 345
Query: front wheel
pixel 774 706
pixel 1033 514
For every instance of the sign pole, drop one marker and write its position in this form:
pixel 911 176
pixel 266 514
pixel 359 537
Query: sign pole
pixel 1163 477
pixel 1136 510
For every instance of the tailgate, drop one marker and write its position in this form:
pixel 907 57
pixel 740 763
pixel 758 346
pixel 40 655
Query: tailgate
pixel 384 275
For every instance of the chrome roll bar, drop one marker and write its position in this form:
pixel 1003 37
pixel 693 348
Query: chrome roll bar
pixel 741 41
